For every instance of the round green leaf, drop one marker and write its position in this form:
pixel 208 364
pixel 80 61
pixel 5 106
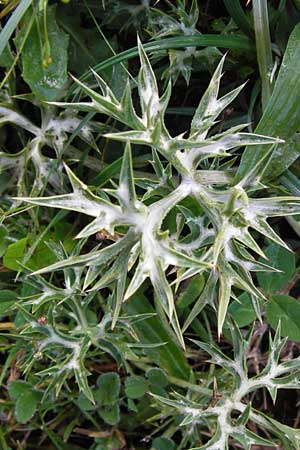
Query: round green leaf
pixel 287 310
pixel 163 443
pixel 26 405
pixel 157 377
pixel 108 388
pixel 17 388
pixel 136 386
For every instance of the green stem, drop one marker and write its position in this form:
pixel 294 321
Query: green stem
pixel 263 47
pixel 78 310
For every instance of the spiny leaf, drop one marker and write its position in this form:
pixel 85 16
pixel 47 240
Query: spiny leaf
pixel 126 189
pixel 96 258
pixel 207 107
pixel 226 282
pixel 148 89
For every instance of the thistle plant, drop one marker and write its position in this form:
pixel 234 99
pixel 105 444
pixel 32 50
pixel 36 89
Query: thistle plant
pixel 57 352
pixel 53 132
pixel 219 243
pixel 179 21
pixel 228 409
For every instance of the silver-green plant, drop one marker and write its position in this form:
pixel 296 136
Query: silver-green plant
pixel 179 21
pixel 227 210
pixel 53 132
pixel 65 349
pixel 230 410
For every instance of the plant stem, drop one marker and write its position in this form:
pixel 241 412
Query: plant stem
pixel 263 47
pixel 78 310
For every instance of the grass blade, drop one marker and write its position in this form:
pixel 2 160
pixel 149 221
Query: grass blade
pixel 263 47
pixel 282 115
pixel 12 23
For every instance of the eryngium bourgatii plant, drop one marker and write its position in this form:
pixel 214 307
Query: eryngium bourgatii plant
pixel 228 410
pixel 53 133
pixel 218 211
